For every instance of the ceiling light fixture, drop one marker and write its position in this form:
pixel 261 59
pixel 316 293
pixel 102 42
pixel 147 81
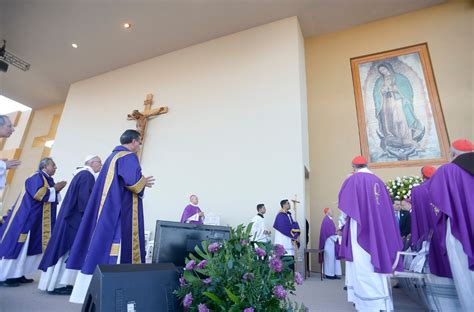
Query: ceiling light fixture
pixel 127 25
pixel 74 45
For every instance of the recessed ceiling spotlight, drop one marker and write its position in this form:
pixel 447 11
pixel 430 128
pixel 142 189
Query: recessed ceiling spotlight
pixel 74 45
pixel 127 25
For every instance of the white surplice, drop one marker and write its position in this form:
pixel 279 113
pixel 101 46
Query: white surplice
pixel 258 230
pixel 24 265
pixel 462 276
pixel 332 266
pixel 369 291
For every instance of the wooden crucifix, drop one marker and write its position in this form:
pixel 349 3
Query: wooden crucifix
pixel 143 117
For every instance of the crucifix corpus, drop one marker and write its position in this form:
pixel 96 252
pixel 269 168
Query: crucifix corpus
pixel 143 117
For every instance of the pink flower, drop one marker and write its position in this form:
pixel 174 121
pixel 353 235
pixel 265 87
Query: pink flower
pixel 249 309
pixel 190 265
pixel 201 265
pixel 214 247
pixel 203 308
pixel 276 264
pixel 299 278
pixel 279 250
pixel 188 300
pixel 279 292
pixel 243 242
pixel 260 252
pixel 182 281
pixel 207 281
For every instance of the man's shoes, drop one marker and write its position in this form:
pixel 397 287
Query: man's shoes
pixel 11 282
pixel 61 291
pixel 338 277
pixel 345 288
pixel 24 280
pixel 330 277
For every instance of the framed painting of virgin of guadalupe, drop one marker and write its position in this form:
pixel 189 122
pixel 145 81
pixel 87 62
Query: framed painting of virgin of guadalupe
pixel 398 109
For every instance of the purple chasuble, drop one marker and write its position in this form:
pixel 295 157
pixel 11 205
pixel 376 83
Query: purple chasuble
pixel 189 211
pixel 113 218
pixel 425 221
pixel 33 214
pixel 69 218
pixel 285 224
pixel 364 198
pixel 420 214
pixel 327 229
pixel 451 189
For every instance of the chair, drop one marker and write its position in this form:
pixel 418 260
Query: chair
pixel 418 281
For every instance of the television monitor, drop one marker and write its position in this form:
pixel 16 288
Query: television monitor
pixel 174 240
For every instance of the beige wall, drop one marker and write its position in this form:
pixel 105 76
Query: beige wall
pixel 30 156
pixel 233 133
pixel 334 139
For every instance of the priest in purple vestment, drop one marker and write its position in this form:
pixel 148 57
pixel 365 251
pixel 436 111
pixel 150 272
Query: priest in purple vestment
pixel 327 242
pixel 53 278
pixel 287 231
pixel 452 192
pixel 428 226
pixel 192 213
pixel 111 229
pixel 29 226
pixel 370 238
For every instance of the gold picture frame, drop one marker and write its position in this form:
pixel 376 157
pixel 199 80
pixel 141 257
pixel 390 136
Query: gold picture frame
pixel 399 113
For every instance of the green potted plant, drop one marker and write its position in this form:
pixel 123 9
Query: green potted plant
pixel 238 275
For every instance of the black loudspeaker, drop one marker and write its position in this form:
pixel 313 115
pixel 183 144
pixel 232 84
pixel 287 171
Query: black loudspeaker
pixel 133 288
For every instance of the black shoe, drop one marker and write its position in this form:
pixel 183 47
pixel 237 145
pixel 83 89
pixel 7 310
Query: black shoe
pixel 61 291
pixel 24 280
pixel 345 288
pixel 69 287
pixel 329 277
pixel 338 277
pixel 11 282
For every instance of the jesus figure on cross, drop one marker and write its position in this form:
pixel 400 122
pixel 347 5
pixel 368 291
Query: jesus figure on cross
pixel 143 117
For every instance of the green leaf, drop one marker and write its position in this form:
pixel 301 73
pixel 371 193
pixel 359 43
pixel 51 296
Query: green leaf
pixel 213 297
pixel 232 297
pixel 189 276
pixel 235 308
pixel 249 229
pixel 201 253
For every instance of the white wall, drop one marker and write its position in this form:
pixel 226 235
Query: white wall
pixel 233 134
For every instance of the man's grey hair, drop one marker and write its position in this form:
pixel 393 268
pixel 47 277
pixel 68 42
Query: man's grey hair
pixel 457 152
pixel 3 119
pixel 358 167
pixel 44 162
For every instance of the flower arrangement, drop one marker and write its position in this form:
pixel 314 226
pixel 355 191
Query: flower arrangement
pixel 238 275
pixel 400 188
